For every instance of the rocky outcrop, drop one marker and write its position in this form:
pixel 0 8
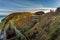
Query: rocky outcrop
pixel 39 13
pixel 36 26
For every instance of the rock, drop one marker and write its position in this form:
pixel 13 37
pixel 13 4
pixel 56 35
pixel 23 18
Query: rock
pixel 32 26
pixel 39 13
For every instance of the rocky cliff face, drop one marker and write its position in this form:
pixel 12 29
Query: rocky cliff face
pixel 36 27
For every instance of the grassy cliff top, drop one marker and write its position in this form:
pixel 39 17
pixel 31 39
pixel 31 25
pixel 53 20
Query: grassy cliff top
pixel 45 26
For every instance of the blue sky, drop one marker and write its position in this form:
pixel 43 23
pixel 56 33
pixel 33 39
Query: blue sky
pixel 12 4
pixel 16 4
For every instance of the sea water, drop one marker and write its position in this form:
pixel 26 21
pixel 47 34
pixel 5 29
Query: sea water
pixel 2 17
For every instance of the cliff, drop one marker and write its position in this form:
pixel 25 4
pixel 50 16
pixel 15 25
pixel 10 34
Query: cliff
pixel 36 27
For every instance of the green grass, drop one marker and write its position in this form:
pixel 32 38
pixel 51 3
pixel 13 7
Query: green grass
pixel 55 31
pixel 0 25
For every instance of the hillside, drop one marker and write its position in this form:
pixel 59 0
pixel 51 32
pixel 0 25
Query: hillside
pixel 45 26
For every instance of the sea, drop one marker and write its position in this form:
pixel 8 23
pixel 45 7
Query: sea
pixel 2 17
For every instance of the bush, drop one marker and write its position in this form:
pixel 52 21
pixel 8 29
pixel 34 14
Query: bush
pixel 58 9
pixel 39 13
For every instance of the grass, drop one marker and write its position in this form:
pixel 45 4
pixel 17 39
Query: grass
pixel 0 25
pixel 55 31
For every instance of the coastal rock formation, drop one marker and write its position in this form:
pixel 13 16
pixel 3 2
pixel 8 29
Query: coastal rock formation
pixel 35 27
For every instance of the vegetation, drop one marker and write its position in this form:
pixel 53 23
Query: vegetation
pixel 0 25
pixel 39 13
pixel 34 26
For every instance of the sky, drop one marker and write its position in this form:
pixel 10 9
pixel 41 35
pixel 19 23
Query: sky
pixel 9 6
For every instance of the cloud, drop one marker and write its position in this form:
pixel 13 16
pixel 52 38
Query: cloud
pixel 27 6
pixel 7 12
pixel 19 3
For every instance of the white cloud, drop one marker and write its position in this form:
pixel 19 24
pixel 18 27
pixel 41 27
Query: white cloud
pixel 25 4
pixel 6 11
